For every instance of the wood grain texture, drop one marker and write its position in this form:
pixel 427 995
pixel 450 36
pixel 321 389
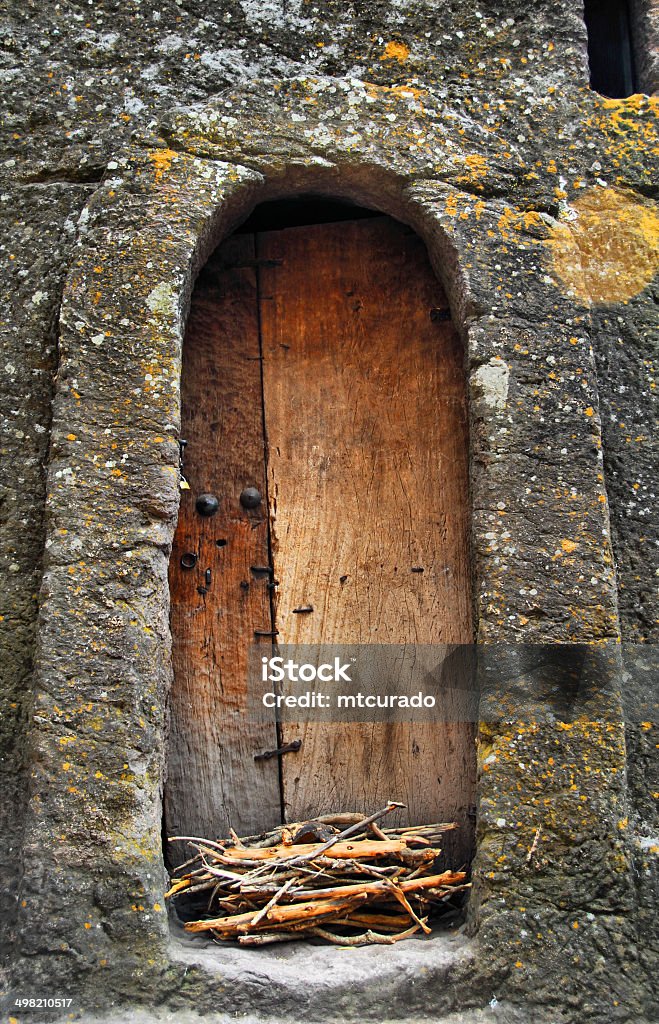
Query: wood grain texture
pixel 368 480
pixel 213 781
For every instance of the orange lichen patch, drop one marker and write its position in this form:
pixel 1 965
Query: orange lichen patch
pixel 406 92
pixel 402 92
pixel 395 51
pixel 635 102
pixel 568 545
pixel 162 160
pixel 621 112
pixel 476 167
pixel 451 204
pixel 477 163
pixel 609 252
pixel 513 219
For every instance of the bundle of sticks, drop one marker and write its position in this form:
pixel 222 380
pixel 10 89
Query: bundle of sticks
pixel 352 886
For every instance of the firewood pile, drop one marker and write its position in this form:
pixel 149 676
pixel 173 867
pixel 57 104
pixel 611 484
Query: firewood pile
pixel 350 886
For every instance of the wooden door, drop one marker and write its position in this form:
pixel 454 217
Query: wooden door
pixel 320 367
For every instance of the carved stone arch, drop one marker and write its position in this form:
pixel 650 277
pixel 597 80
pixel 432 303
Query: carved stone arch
pixel 104 658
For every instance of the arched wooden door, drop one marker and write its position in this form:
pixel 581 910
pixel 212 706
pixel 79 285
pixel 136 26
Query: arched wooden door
pixel 322 369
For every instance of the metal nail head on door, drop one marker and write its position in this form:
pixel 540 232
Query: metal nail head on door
pixel 207 505
pixel 250 498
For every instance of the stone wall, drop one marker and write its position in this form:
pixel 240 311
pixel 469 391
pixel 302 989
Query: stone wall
pixel 39 225
pixel 645 43
pixel 135 138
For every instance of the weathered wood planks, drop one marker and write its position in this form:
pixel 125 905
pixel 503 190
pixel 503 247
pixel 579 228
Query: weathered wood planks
pixel 367 477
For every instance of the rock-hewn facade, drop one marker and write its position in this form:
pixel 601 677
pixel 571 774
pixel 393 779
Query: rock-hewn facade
pixel 135 137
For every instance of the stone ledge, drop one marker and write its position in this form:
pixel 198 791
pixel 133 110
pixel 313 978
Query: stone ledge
pixel 500 1013
pixel 330 982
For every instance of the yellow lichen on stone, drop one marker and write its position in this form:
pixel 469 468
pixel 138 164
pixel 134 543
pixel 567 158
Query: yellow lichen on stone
pixel 475 165
pixel 396 51
pixel 609 252
pixel 162 160
pixel 636 102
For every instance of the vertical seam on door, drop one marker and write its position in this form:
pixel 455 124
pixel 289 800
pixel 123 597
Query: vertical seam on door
pixel 271 560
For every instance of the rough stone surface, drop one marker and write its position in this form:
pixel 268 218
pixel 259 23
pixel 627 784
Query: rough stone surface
pixel 38 230
pixel 135 138
pixel 494 1013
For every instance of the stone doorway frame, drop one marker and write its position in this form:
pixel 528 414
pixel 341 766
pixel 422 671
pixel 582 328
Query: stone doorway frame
pixel 93 875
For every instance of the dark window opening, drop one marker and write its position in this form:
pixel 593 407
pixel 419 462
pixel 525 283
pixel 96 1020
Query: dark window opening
pixel 610 53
